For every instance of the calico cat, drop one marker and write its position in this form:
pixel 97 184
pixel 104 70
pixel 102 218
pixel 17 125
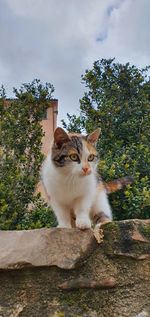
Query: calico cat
pixel 70 179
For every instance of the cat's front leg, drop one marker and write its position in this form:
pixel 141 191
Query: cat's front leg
pixel 82 213
pixel 101 210
pixel 63 216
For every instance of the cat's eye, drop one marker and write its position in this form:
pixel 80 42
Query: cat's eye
pixel 91 157
pixel 74 157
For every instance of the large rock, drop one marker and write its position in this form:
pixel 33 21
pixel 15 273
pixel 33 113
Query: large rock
pixel 67 273
pixel 45 247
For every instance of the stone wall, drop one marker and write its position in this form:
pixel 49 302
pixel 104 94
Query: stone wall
pixel 73 273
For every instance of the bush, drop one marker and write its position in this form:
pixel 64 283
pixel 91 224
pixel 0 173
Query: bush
pixel 20 154
pixel 117 99
pixel 38 217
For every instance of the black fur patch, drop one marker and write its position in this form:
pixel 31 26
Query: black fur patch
pixel 60 155
pixel 77 143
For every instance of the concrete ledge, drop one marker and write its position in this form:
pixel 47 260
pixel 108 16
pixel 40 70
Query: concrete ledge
pixel 67 273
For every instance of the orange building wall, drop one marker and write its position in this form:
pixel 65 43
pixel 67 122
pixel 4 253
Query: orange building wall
pixel 49 125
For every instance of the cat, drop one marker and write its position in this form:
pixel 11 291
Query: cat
pixel 69 176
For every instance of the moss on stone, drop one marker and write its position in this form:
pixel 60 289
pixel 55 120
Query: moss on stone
pixel 113 227
pixel 72 297
pixel 145 230
pixel 60 314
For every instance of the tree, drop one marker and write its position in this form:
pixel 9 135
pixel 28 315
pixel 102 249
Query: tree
pixel 20 151
pixel 117 99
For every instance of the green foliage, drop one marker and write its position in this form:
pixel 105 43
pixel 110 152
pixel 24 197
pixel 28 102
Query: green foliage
pixel 20 151
pixel 117 99
pixel 38 216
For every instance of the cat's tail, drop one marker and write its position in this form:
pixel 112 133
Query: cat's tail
pixel 117 184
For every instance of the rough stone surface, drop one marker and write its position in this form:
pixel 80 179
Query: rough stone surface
pixel 66 273
pixel 45 247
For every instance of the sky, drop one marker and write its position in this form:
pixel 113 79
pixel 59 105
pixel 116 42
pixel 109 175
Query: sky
pixel 57 40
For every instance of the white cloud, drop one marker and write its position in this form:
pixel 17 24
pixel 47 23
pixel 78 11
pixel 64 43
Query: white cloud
pixel 128 36
pixel 56 40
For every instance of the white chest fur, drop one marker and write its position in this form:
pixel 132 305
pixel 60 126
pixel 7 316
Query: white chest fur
pixel 66 188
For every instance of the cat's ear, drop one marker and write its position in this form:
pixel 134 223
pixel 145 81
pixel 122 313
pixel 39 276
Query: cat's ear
pixel 93 137
pixel 60 137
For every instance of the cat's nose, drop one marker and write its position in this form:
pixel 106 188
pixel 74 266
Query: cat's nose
pixel 85 169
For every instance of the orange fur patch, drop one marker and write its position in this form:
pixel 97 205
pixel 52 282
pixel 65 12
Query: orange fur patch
pixel 90 147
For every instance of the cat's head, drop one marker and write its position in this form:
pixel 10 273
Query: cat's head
pixel 74 153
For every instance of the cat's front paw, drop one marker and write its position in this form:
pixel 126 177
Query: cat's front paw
pixel 83 223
